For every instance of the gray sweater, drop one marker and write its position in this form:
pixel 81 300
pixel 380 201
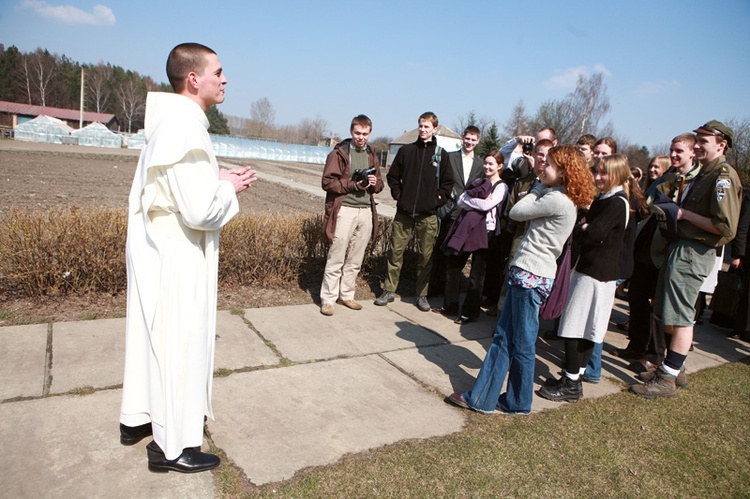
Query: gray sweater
pixel 551 216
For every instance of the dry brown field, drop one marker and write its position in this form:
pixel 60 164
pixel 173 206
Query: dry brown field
pixel 41 176
pixel 38 176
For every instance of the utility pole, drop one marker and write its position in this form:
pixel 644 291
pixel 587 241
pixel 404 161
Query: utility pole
pixel 80 120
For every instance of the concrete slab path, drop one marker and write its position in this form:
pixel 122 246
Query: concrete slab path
pixel 293 389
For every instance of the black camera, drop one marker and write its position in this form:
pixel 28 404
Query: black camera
pixel 360 176
pixel 528 147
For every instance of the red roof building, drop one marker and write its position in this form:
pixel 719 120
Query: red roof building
pixel 13 113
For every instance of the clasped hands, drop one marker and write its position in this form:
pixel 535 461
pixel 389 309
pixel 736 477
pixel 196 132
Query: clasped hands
pixel 240 178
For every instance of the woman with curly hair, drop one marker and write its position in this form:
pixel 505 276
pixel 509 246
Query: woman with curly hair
pixel 605 237
pixel 549 209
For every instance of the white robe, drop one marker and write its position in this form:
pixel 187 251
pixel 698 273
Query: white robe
pixel 177 206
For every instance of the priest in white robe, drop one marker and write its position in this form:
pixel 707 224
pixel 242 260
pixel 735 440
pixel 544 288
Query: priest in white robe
pixel 179 201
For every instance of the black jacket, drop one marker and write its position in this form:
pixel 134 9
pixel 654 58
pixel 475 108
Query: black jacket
pixel 602 242
pixel 413 178
pixel 739 243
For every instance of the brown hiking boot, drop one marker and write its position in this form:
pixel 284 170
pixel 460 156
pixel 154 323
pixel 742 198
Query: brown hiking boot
pixel 661 385
pixel 680 381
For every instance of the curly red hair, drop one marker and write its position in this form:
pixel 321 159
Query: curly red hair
pixel 577 179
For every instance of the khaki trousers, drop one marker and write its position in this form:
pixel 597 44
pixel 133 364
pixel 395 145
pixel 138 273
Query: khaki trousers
pixel 345 255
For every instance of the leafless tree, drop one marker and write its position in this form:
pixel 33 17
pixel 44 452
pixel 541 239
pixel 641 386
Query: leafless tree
pixel 131 99
pixel 36 74
pixel 660 150
pixel 739 154
pixel 638 155
pixel 239 126
pixel 381 143
pixel 24 77
pixel 43 71
pixel 288 133
pixel 557 115
pixel 589 104
pixel 263 116
pixel 311 131
pixel 518 123
pixel 98 90
pixel 580 112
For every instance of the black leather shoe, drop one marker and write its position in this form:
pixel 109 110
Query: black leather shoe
pixel 192 460
pixel 565 390
pixel 131 435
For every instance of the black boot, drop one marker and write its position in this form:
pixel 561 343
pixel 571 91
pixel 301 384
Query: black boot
pixel 565 390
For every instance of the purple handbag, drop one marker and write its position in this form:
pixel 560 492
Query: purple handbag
pixel 558 297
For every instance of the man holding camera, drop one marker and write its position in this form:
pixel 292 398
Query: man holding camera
pixel 515 149
pixel 350 178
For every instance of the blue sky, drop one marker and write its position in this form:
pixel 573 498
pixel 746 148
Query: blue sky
pixel 669 66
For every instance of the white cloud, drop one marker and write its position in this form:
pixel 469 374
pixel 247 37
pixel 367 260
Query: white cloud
pixel 99 15
pixel 654 87
pixel 567 78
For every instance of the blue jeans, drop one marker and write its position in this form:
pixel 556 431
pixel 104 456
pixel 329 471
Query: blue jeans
pixel 512 352
pixel 594 367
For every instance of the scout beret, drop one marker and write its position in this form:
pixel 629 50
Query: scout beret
pixel 714 127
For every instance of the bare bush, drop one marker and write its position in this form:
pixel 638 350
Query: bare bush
pixel 75 251
pixel 63 251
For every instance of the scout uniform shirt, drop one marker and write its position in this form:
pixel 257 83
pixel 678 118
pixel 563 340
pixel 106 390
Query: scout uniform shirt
pixel 715 193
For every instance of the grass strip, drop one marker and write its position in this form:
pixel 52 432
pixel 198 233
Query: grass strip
pixel 696 444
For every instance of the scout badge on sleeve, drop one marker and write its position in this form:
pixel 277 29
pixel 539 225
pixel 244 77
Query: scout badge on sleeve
pixel 722 186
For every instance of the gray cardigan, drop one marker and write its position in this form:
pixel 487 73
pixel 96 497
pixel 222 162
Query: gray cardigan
pixel 551 216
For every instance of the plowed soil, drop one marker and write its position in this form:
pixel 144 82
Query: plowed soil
pixel 41 176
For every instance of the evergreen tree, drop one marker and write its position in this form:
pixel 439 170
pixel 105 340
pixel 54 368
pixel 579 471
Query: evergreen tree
pixel 218 124
pixel 69 93
pixel 9 60
pixel 490 141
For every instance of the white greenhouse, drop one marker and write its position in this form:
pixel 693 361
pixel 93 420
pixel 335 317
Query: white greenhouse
pixel 43 129
pixel 97 135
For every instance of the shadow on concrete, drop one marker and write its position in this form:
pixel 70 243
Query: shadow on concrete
pixel 452 359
